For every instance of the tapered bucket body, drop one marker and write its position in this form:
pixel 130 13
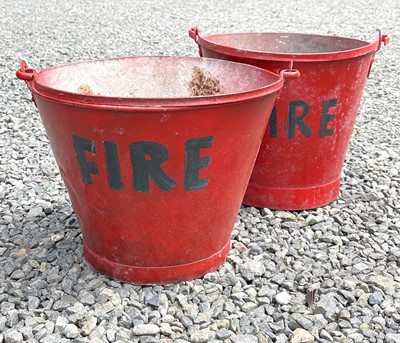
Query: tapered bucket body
pixel 303 151
pixel 156 171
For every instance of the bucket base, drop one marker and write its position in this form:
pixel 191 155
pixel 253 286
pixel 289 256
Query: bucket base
pixel 292 198
pixel 156 275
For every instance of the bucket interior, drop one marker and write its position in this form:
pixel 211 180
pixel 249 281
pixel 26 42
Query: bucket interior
pixel 286 43
pixel 153 77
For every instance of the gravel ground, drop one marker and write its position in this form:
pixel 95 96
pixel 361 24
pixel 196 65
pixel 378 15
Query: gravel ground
pixel 349 250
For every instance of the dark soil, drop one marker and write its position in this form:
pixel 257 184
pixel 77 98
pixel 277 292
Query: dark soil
pixel 203 83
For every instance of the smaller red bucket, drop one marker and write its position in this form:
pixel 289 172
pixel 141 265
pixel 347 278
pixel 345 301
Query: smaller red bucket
pixel 303 151
pixel 156 154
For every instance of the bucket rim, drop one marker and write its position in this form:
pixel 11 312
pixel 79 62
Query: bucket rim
pixel 368 47
pixel 152 104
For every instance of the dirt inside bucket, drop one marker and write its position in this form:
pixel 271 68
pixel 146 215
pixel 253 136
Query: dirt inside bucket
pixel 85 89
pixel 203 83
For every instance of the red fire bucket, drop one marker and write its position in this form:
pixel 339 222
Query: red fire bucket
pixel 156 154
pixel 303 151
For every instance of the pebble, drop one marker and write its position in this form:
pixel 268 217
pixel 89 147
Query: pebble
pixel 356 337
pixel 13 336
pixel 223 333
pixel 35 212
pixel 386 284
pixel 145 329
pixel 283 298
pixel 252 269
pixel 393 337
pixel 326 306
pixel 376 297
pixel 87 298
pixel 281 338
pixel 98 332
pixel 200 336
pixel 122 334
pixel 243 339
pixel 301 336
pixel 60 324
pixel 71 331
pixel 88 325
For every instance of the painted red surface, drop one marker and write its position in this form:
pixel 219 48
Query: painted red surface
pixel 156 223
pixel 303 151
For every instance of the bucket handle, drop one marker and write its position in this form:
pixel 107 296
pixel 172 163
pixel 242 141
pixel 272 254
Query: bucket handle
pixel 194 33
pixel 290 73
pixel 385 39
pixel 26 74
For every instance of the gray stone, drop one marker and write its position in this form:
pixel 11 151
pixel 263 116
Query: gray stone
pixel 283 298
pixel 88 325
pixel 165 329
pixel 26 332
pixel 252 269
pixel 61 322
pixel 386 284
pixel 33 303
pixel 97 340
pixel 281 338
pixel 393 337
pixel 379 320
pixel 13 336
pixel 277 326
pixel 13 318
pixel 376 297
pixel 326 306
pixel 155 300
pixel 53 338
pixel 360 267
pixel 35 212
pixel 71 331
pixel 301 336
pixel 302 321
pixel 200 336
pixel 325 335
pixel 145 329
pixel 60 305
pixel 111 335
pixel 122 334
pixel 87 298
pixel 356 337
pixel 243 339
pixel 223 333
pixel 97 332
pixel 103 309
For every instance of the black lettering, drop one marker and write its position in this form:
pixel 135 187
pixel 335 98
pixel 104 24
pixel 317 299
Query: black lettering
pixel 273 124
pixel 297 120
pixel 326 117
pixel 144 168
pixel 81 145
pixel 113 166
pixel 193 162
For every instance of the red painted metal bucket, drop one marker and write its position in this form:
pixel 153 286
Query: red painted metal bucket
pixel 156 175
pixel 303 151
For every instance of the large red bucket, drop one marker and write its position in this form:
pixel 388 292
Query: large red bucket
pixel 155 174
pixel 303 151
